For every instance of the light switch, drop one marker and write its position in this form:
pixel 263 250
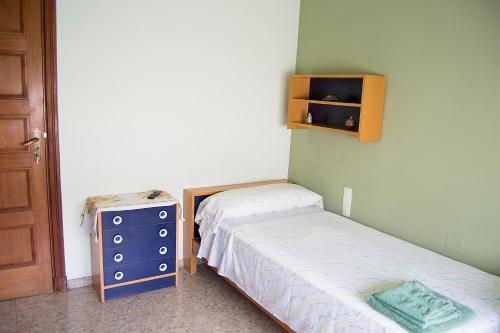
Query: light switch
pixel 346 205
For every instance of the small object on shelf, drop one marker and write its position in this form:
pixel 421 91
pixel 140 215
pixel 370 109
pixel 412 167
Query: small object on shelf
pixel 350 123
pixel 309 118
pixel 332 98
pixel 154 194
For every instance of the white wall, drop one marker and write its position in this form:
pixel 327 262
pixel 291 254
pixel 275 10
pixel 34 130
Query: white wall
pixel 169 94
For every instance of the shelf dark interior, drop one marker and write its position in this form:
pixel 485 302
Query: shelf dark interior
pixel 349 90
pixel 334 115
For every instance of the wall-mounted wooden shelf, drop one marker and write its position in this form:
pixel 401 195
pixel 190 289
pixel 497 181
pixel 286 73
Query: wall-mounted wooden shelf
pixel 328 103
pixel 325 127
pixel 362 97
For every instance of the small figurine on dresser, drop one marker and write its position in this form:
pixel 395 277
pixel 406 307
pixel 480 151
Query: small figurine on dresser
pixel 133 242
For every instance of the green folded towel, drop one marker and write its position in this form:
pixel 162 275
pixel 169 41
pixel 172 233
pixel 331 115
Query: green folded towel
pixel 419 308
pixel 418 304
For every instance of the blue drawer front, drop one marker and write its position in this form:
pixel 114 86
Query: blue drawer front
pixel 138 217
pixel 133 254
pixel 138 236
pixel 139 287
pixel 139 270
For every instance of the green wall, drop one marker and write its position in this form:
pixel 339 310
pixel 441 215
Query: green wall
pixel 434 179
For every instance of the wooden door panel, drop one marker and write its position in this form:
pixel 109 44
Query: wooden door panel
pixel 13 107
pixel 13 43
pixel 13 74
pixel 19 281
pixel 12 219
pixel 15 191
pixel 17 247
pixel 11 13
pixel 25 260
pixel 13 131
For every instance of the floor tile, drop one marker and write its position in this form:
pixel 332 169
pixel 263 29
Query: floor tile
pixel 8 317
pixel 58 312
pixel 202 303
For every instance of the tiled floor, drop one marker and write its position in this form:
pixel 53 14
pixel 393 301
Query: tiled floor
pixel 202 303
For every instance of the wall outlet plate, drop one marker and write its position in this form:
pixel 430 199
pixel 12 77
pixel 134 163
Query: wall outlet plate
pixel 347 202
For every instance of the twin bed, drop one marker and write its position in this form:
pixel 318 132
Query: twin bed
pixel 313 270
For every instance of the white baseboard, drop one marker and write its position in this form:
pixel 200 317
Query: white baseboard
pixel 79 283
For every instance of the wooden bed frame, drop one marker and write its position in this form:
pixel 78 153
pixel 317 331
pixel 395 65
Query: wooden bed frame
pixel 191 241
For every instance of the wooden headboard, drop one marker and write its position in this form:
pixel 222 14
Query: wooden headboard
pixel 191 200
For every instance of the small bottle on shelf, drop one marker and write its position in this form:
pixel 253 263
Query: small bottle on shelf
pixel 309 118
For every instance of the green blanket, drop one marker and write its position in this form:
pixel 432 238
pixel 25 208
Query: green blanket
pixel 419 308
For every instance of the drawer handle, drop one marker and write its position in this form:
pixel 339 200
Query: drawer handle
pixel 163 233
pixel 117 220
pixel 163 250
pixel 118 276
pixel 163 214
pixel 118 257
pixel 163 267
pixel 118 239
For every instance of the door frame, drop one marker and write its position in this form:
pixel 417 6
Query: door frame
pixel 52 127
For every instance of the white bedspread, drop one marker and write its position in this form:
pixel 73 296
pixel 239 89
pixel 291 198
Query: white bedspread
pixel 314 270
pixel 213 244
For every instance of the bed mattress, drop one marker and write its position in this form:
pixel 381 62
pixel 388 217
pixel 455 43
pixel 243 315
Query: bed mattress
pixel 314 270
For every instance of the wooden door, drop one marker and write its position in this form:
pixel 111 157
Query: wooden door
pixel 25 258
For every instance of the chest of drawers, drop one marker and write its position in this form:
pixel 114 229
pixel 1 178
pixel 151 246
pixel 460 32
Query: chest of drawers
pixel 136 250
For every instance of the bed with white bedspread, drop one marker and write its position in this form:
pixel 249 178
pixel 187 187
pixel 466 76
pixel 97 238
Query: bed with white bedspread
pixel 314 270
